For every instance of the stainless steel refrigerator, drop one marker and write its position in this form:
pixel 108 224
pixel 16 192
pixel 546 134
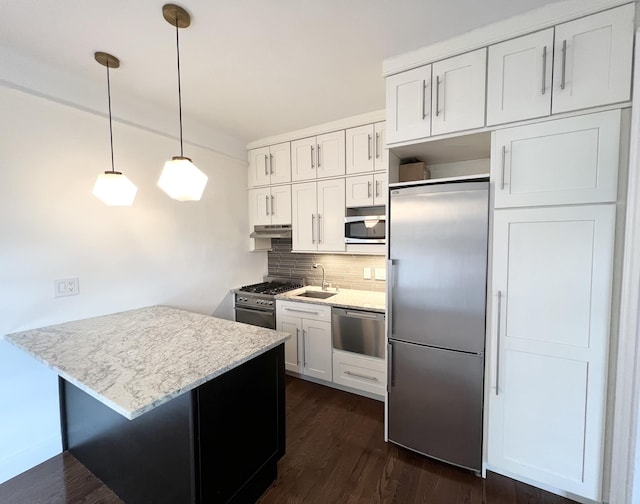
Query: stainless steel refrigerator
pixel 437 290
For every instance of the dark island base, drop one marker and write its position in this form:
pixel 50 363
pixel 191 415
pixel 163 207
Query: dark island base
pixel 219 443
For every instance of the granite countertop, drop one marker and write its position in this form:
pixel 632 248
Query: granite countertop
pixel 136 360
pixel 344 298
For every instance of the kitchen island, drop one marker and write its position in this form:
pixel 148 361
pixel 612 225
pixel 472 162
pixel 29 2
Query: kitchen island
pixel 165 405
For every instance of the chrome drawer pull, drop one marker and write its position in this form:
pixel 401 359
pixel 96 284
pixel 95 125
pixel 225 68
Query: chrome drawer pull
pixel 366 377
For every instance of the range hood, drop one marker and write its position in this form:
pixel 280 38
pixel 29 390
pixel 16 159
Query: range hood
pixel 272 231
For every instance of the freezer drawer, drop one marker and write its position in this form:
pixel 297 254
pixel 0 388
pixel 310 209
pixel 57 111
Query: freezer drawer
pixel 435 402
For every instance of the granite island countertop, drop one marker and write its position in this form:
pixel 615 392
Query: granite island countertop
pixel 343 298
pixel 136 360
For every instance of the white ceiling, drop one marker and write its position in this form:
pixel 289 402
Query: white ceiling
pixel 251 68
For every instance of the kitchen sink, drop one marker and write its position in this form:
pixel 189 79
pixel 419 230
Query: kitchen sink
pixel 317 294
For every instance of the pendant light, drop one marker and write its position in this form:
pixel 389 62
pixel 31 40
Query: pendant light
pixel 112 187
pixel 180 178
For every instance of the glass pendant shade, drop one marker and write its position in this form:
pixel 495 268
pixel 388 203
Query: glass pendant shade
pixel 114 189
pixel 182 180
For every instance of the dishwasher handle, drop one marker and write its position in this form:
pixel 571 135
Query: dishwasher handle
pixel 341 312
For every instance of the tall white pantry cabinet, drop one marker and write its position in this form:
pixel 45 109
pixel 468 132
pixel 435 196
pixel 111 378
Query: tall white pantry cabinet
pixel 555 188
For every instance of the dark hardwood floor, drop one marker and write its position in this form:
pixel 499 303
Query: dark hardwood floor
pixel 335 454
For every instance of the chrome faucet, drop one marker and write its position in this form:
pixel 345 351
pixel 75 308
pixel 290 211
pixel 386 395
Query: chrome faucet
pixel 324 284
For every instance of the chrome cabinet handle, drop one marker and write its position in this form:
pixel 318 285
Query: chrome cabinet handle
pixel 266 159
pixel 312 160
pixel 368 146
pixel 313 228
pixel 390 365
pixel 377 188
pixel 437 95
pixel 297 341
pixel 564 64
pixel 369 189
pixel 366 377
pixel 271 164
pixel 544 70
pixel 272 210
pixel 267 204
pixel 319 228
pixel 318 156
pixel 504 155
pixel 300 310
pixel 304 349
pixel 424 98
pixel 377 145
pixel 498 344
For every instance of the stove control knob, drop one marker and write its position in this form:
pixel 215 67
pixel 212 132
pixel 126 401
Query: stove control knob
pixel 270 303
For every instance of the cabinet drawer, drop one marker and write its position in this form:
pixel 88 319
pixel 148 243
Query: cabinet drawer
pixel 566 161
pixel 304 310
pixel 360 372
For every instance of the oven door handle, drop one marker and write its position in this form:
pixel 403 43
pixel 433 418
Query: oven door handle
pixel 253 310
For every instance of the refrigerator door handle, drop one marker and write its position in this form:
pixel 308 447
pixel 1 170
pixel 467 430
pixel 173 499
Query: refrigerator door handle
pixel 389 366
pixel 498 343
pixel 390 281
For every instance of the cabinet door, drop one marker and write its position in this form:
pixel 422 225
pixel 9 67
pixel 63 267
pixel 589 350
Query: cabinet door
pixel 292 348
pixel 360 149
pixel 281 204
pixel 593 60
pixel 380 151
pixel 573 160
pixel 280 163
pixel 331 210
pixel 380 189
pixel 552 274
pixel 317 349
pixel 303 159
pixel 330 154
pixel 409 105
pixel 259 167
pixel 519 78
pixel 304 217
pixel 359 191
pixel 259 206
pixel 458 92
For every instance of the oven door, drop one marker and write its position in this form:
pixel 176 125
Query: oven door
pixel 256 317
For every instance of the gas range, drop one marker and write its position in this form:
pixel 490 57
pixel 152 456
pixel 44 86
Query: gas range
pixel 261 296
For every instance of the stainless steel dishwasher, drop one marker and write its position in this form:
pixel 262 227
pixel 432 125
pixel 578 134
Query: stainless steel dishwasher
pixel 358 331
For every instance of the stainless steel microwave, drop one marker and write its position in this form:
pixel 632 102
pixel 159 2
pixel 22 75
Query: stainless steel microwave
pixel 365 229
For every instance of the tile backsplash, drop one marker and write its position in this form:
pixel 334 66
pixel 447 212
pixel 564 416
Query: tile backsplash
pixel 342 270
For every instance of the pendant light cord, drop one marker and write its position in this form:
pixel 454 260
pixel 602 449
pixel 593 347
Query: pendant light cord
pixel 110 126
pixel 179 88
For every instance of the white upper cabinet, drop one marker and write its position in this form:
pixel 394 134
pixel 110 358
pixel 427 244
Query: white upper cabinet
pixel 318 216
pixel 318 157
pixel 458 93
pixel 270 205
pixel 592 60
pixel 365 149
pixel 519 78
pixel 564 161
pixel 409 105
pixel 366 190
pixel 270 165
pixel 380 152
pixel 360 149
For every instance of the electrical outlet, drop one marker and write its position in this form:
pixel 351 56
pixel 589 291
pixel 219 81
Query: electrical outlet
pixel 366 273
pixel 66 287
pixel 381 274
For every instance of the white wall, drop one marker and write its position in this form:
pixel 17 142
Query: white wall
pixel 159 251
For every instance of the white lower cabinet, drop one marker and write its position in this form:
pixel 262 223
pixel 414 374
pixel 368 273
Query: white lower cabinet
pixel 308 351
pixel 360 372
pixel 552 275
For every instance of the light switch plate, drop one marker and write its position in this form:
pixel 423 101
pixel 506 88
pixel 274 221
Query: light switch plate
pixel 381 274
pixel 366 273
